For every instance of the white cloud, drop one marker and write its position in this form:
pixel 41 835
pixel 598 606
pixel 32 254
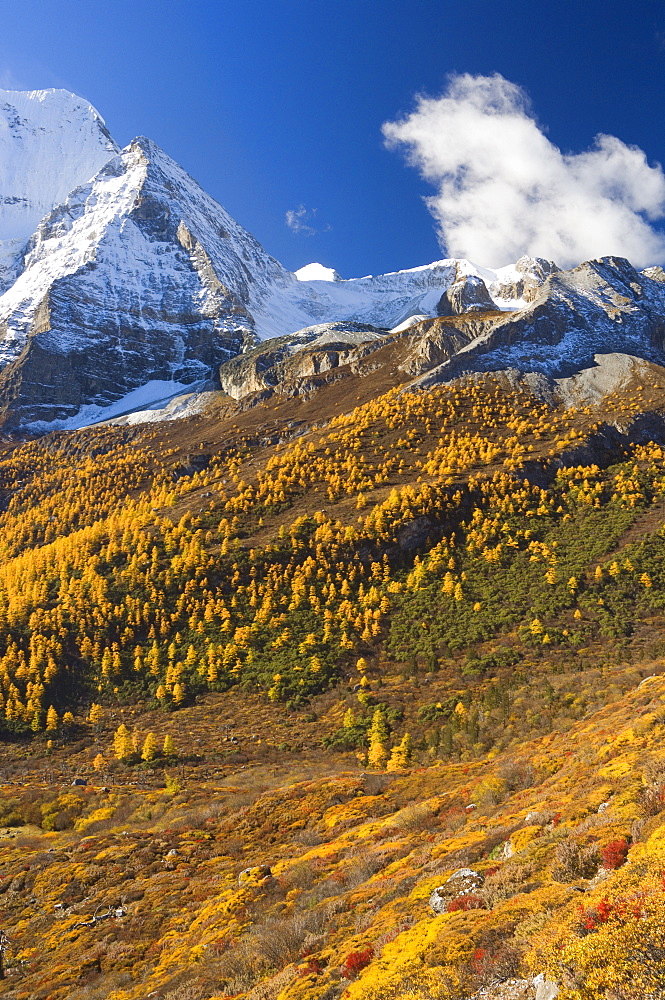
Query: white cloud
pixel 300 220
pixel 296 221
pixel 503 189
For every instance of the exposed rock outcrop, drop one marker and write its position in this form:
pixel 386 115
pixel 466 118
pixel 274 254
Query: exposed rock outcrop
pixel 465 296
pixel 284 360
pixel 463 882
pixel 530 274
pixel 602 306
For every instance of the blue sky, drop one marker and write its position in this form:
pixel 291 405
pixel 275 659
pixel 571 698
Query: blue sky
pixel 274 105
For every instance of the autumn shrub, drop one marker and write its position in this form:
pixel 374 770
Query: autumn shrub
pixel 11 813
pixel 468 901
pixel 590 917
pixel 652 798
pixel 426 984
pixel 613 947
pixel 507 881
pixel 572 861
pixel 356 961
pixel 615 853
pixel 61 813
pixel 302 875
pixel 489 792
pixel 361 867
pixel 494 962
pixel 281 940
pixel 517 775
pixel 192 989
pixel 239 967
pixel 269 945
pixel 414 817
pixel 312 967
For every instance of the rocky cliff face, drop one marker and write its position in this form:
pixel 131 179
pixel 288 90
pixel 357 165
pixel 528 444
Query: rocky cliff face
pixel 601 319
pixel 283 360
pixel 603 306
pixel 119 288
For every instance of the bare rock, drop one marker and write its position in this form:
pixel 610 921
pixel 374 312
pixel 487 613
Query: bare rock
pixel 545 990
pixel 467 295
pixel 532 273
pixel 656 273
pixel 461 883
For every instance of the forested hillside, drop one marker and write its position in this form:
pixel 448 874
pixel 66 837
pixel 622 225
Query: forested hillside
pixel 309 669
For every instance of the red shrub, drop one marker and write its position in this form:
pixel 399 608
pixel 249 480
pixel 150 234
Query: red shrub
pixel 478 959
pixel 312 968
pixel 615 853
pixel 589 918
pixel 356 961
pixel 621 909
pixel 466 902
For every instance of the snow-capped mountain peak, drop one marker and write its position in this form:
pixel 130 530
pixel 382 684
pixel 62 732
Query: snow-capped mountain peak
pixel 50 142
pixel 123 278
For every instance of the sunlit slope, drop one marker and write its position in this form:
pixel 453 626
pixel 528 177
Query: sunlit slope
pixel 360 646
pixel 415 525
pixel 302 887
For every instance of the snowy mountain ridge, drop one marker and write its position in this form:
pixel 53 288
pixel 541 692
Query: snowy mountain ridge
pixel 119 275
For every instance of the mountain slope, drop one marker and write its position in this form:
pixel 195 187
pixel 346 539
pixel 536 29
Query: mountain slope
pixel 416 638
pixel 602 306
pixel 581 332
pixel 50 142
pixel 139 286
pixel 118 289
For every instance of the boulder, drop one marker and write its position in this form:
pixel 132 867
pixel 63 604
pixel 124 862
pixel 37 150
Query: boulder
pixel 464 296
pixel 461 883
pixel 545 990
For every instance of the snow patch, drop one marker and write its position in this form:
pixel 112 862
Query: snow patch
pixel 411 321
pixel 154 395
pixel 177 408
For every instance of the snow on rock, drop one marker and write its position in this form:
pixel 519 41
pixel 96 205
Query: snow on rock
pixel 135 274
pixel 602 307
pixel 50 142
pixel 118 272
pixel 385 300
pixel 177 408
pixel 138 275
pixel 154 395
